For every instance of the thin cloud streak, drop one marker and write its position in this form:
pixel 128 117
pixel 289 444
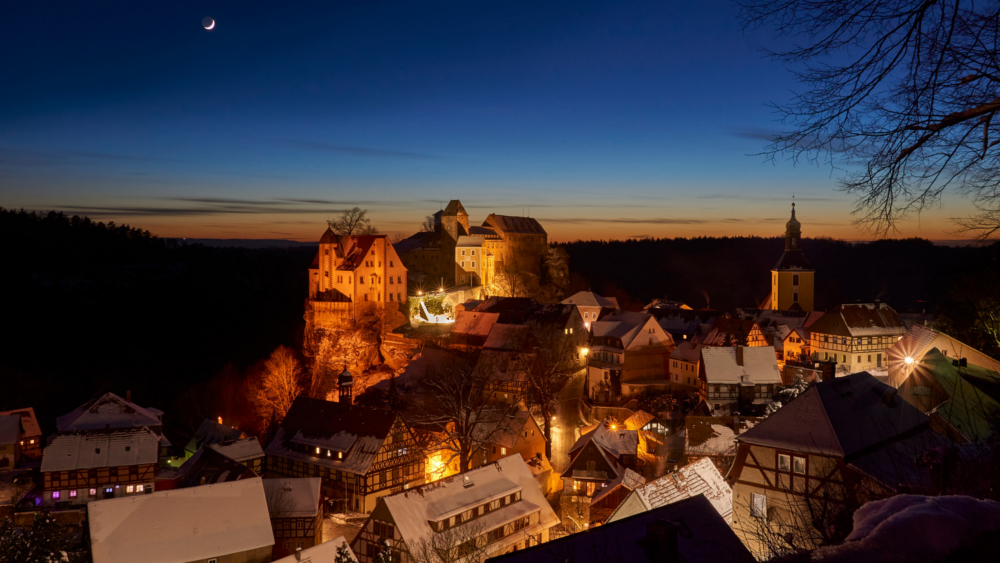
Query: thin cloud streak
pixel 360 151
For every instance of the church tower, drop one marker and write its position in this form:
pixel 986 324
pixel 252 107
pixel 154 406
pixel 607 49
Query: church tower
pixel 792 277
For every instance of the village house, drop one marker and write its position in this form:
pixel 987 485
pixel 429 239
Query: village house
pixel 596 459
pixel 487 511
pixel 629 353
pixel 246 451
pixel 591 305
pixel 684 363
pixel 607 500
pixel 207 467
pixel 11 434
pixel 224 523
pixel 735 379
pixel 836 445
pixel 857 335
pixel 296 510
pixel 651 430
pixel 471 328
pixel 698 478
pixel 730 331
pixel 517 433
pixel 211 432
pixel 689 531
pixel 31 439
pixel 918 341
pixel 952 392
pixel 360 453
pixel 82 466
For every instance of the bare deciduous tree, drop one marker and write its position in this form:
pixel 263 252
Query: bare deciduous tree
pixel 428 225
pixel 277 385
pixel 547 367
pixel 354 221
pixel 907 90
pixel 512 279
pixel 458 403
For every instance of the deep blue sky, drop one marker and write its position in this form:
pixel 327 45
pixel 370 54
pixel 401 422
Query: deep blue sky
pixel 602 119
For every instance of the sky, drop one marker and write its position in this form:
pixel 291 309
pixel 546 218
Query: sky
pixel 600 119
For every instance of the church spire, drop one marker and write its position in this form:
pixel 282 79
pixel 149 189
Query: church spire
pixel 793 232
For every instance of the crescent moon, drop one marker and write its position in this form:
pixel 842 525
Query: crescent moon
pixel 211 27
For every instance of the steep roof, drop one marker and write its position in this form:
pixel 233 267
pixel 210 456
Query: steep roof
pixel 968 409
pixel 793 260
pixel 870 319
pixel 506 337
pixel 28 421
pixel 191 524
pixel 358 247
pixel 590 299
pixel 293 498
pixel 454 208
pixel 413 509
pixel 211 432
pixel 101 448
pixel 638 420
pixel 759 365
pixel 618 442
pixel 356 431
pixel 699 478
pixel 329 237
pixel 108 410
pixel 510 224
pixel 841 417
pixel 702 537
pixel 628 479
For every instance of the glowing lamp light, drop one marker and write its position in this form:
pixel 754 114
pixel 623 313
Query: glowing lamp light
pixel 220 420
pixel 908 360
pixel 420 293
pixel 440 290
pixel 585 351
pixel 614 426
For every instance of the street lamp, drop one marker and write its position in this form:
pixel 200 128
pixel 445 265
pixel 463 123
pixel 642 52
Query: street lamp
pixel 908 360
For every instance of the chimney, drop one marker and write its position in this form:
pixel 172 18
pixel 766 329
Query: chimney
pixel 660 542
pixel 739 355
pixel 298 554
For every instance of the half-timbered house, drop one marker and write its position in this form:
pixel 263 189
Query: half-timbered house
pixel 31 440
pixel 736 379
pixel 858 336
pixel 484 512
pixel 838 444
pixel 596 460
pixel 360 453
pixel 699 478
pixel 78 467
pixel 296 509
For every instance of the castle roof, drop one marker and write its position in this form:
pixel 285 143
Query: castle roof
pixel 454 208
pixel 357 248
pixel 510 224
pixel 329 237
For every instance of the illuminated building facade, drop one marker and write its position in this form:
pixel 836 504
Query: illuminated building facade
pixel 792 277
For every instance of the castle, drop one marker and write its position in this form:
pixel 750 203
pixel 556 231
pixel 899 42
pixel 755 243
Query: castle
pixel 455 253
pixel 352 277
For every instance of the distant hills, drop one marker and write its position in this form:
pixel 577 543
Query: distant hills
pixel 245 242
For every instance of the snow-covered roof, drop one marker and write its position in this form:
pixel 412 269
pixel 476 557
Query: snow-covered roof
pixel 207 467
pixel 28 421
pixel 699 478
pixel 703 537
pixel 293 498
pixel 870 319
pixel 474 322
pixel 506 336
pixel 108 411
pixel 355 430
pixel 590 299
pixel 240 450
pixel 101 448
pixel 714 435
pixel 617 442
pixel 413 510
pixel 760 365
pixel 325 552
pixel 192 524
pixel 210 432
pixel 687 350
pixel 10 429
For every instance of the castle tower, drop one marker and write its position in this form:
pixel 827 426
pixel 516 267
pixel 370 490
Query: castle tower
pixel 792 277
pixel 454 224
pixel 345 386
pixel 327 259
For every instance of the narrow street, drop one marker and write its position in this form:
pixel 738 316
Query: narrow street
pixel 565 428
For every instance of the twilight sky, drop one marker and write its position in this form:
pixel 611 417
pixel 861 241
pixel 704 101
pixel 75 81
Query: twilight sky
pixel 601 119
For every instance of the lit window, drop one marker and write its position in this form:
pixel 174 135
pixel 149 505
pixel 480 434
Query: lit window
pixel 72 494
pixel 503 451
pixel 55 494
pixel 340 455
pixel 140 488
pixel 130 489
pixel 32 441
pixel 93 492
pixel 317 451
